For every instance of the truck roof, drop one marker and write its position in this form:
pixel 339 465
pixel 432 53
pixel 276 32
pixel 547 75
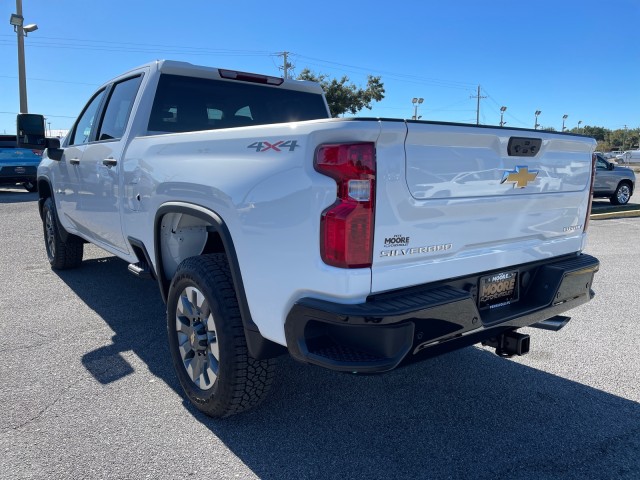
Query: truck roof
pixel 174 67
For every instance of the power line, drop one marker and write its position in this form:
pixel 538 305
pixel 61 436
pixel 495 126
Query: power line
pixel 105 44
pixel 44 114
pixel 55 81
pixel 499 105
pixel 398 75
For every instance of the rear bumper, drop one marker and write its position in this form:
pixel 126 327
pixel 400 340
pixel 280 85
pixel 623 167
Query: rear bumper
pixel 398 326
pixel 17 174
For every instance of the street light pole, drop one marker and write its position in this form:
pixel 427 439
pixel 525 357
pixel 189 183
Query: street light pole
pixel 416 101
pixel 22 75
pixel 17 20
pixel 502 110
pixel 579 122
pixel 564 117
pixel 536 124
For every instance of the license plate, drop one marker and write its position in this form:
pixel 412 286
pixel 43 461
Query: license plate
pixel 498 290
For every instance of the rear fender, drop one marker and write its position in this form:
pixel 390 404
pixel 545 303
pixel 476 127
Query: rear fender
pixel 206 233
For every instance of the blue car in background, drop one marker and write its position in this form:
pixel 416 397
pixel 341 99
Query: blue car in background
pixel 18 166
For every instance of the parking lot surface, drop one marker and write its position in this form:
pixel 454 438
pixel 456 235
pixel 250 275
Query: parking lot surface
pixel 87 388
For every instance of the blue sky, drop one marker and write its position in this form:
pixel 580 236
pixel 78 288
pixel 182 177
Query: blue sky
pixel 579 58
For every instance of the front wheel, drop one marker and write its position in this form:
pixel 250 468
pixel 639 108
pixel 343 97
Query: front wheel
pixel 62 254
pixel 207 341
pixel 622 194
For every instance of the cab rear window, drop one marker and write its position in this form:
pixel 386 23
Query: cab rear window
pixel 186 104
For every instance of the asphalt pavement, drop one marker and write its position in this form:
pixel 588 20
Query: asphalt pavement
pixel 88 391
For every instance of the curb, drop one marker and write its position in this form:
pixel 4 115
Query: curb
pixel 611 215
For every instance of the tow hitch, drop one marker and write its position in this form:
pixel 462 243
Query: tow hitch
pixel 509 344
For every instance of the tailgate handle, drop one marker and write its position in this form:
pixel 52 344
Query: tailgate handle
pixel 523 147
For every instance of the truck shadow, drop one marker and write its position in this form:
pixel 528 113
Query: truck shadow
pixel 467 414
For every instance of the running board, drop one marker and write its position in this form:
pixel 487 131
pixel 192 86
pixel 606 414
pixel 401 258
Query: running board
pixel 140 269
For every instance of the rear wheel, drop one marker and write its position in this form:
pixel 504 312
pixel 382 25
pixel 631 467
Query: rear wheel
pixel 622 194
pixel 62 254
pixel 207 341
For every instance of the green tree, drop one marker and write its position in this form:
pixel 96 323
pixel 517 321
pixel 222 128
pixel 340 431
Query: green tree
pixel 599 133
pixel 343 96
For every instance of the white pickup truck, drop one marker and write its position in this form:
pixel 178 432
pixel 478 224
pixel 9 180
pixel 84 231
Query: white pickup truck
pixel 354 244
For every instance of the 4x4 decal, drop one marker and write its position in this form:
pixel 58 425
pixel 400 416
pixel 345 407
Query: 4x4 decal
pixel 277 146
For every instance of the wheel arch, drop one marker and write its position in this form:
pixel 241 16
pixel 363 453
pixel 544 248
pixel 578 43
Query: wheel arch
pixel 217 239
pixel 44 192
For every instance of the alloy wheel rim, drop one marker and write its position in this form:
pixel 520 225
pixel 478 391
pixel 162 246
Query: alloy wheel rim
pixel 51 244
pixel 197 338
pixel 623 194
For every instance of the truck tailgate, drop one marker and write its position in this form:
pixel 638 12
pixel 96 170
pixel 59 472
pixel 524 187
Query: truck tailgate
pixel 468 199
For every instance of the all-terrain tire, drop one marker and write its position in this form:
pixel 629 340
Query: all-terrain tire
pixel 207 341
pixel 62 254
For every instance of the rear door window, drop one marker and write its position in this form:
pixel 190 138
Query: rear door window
pixel 116 116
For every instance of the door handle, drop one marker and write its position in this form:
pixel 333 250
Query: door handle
pixel 74 161
pixel 110 162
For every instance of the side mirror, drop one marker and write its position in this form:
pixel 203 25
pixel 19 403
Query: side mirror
pixel 610 166
pixel 52 143
pixel 54 152
pixel 31 133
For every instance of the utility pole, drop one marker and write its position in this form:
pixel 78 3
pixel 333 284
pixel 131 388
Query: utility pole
pixel 624 139
pixel 285 64
pixel 478 96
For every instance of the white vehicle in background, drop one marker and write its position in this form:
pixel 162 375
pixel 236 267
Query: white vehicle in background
pixel 613 154
pixel 630 156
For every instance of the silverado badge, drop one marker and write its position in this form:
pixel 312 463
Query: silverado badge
pixel 520 177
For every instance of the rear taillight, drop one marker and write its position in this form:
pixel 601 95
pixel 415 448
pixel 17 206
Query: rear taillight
pixel 593 180
pixel 346 227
